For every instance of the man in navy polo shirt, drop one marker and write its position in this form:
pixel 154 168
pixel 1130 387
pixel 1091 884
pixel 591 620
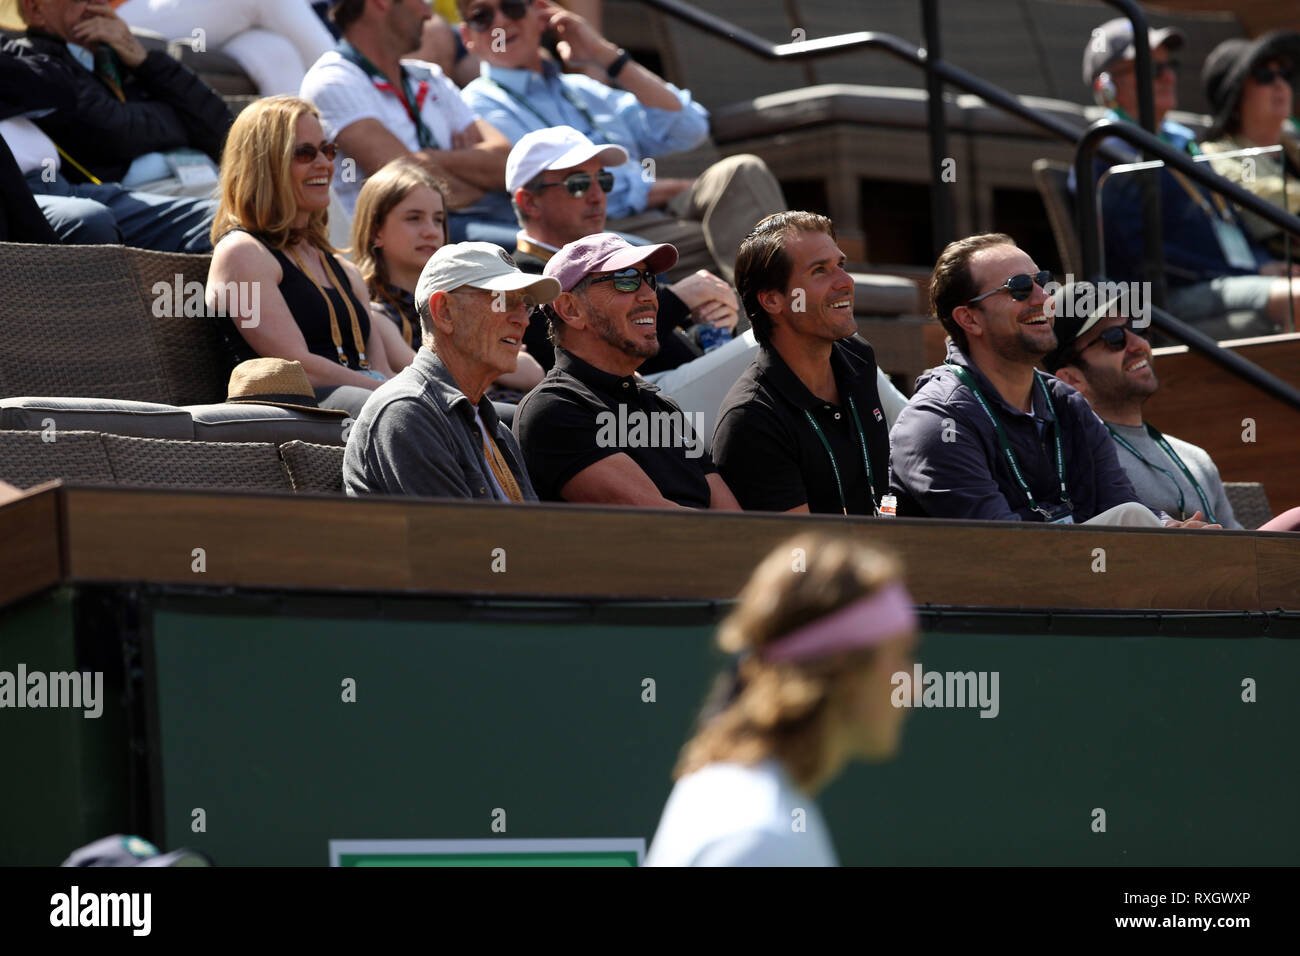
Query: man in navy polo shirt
pixel 987 435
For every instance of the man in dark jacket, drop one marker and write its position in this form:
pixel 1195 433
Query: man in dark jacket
pixel 986 435
pixel 132 113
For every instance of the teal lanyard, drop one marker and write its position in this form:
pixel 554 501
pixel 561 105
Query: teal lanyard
pixel 423 134
pixel 835 468
pixel 967 380
pixel 572 100
pixel 1159 439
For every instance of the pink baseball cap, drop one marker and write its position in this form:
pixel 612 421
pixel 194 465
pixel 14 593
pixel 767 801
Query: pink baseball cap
pixel 605 252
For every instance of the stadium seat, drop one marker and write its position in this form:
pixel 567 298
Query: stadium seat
pixel 1052 178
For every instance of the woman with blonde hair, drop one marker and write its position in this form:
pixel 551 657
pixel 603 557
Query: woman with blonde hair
pixel 400 221
pixel 274 272
pixel 821 628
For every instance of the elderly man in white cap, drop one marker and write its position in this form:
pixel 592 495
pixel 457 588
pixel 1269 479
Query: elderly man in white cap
pixel 593 431
pixel 430 430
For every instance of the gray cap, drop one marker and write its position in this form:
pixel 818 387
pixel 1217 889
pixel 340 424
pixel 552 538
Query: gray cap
pixel 1113 41
pixel 480 265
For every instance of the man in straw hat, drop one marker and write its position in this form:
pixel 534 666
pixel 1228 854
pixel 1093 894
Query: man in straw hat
pixel 429 430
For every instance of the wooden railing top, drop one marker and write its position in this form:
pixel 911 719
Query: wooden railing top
pixel 68 534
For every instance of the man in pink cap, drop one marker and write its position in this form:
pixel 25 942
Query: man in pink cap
pixel 592 431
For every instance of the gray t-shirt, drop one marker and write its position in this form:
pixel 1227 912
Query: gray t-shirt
pixel 1158 490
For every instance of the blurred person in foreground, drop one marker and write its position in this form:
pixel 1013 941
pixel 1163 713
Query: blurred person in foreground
pixel 820 629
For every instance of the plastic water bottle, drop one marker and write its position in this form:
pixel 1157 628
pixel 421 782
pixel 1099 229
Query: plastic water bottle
pixel 888 506
pixel 712 336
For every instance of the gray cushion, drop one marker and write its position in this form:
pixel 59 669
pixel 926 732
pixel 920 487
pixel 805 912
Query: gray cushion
pixel 196 464
pixel 119 417
pixel 29 458
pixel 883 295
pixel 240 421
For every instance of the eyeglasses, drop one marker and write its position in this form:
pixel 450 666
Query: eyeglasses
pixel 306 152
pixel 1019 286
pixel 628 280
pixel 1263 74
pixel 482 18
pixel 578 183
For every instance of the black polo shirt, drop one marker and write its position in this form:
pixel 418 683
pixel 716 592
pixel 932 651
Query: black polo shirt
pixel 579 415
pixel 770 456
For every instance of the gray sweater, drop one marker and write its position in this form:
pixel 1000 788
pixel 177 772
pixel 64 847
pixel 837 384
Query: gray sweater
pixel 1156 490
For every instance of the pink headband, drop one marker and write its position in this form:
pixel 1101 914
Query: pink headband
pixel 875 618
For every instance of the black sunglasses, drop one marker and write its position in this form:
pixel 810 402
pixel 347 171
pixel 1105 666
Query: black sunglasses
pixel 480 19
pixel 578 183
pixel 1158 69
pixel 1115 337
pixel 1018 286
pixel 306 152
pixel 1263 74
pixel 628 280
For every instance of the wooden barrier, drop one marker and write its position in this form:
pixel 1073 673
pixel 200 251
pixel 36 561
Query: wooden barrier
pixel 1202 403
pixel 390 545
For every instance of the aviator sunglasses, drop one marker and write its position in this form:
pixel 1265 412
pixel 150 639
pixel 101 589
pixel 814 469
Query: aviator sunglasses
pixel 628 280
pixel 481 18
pixel 578 183
pixel 1018 286
pixel 306 152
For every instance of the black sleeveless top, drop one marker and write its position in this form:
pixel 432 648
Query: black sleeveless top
pixel 310 312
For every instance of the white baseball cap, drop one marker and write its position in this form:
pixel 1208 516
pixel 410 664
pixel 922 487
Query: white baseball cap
pixel 480 265
pixel 556 147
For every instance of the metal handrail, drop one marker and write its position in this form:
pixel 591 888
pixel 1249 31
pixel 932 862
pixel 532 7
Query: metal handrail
pixel 1090 234
pixel 1089 144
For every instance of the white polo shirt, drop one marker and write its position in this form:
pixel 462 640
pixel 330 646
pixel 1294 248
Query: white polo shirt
pixel 345 94
pixel 727 814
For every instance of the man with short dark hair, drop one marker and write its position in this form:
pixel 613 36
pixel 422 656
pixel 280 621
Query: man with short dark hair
pixel 986 435
pixel 1101 354
pixel 430 430
pixel 592 431
pixel 379 105
pixel 614 99
pixel 803 428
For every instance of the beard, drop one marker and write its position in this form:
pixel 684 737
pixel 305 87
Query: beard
pixel 1115 389
pixel 603 324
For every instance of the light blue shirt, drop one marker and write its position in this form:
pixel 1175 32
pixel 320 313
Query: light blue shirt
pixel 603 114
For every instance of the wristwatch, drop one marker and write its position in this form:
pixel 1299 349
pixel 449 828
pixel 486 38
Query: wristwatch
pixel 620 61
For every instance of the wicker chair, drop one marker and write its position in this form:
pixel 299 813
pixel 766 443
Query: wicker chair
pixel 1249 503
pixel 243 466
pixel 313 467
pixel 1052 180
pixel 30 458
pixel 82 321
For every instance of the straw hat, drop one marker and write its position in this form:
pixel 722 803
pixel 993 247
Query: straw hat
pixel 9 18
pixel 273 381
